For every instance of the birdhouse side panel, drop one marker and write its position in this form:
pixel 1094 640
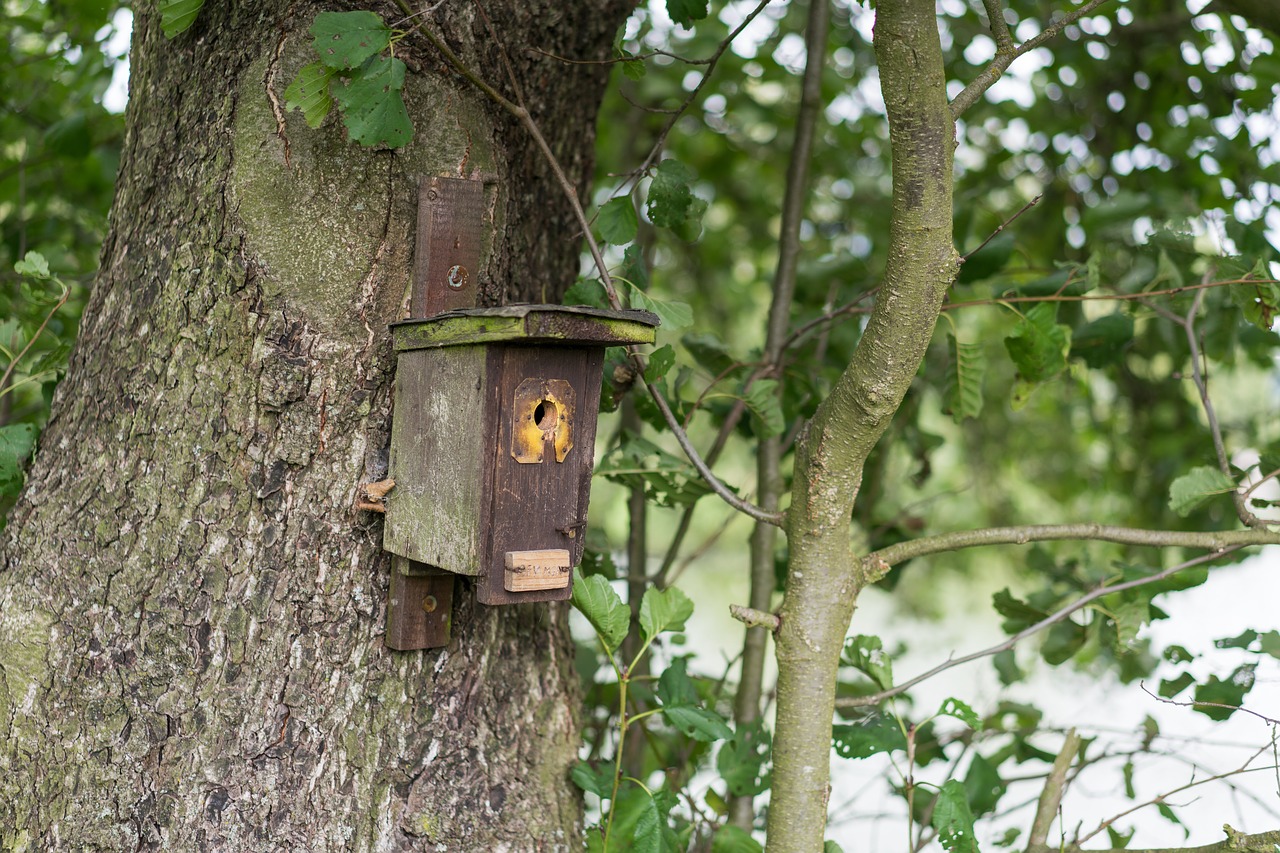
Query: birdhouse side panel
pixel 439 459
pixel 548 399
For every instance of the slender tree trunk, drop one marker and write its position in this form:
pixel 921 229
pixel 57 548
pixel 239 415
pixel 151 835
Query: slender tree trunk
pixel 191 611
pixel 824 580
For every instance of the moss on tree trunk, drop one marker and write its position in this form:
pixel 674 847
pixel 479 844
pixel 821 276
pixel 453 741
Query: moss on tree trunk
pixel 191 609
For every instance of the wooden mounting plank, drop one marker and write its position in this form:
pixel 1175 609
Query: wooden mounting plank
pixel 527 571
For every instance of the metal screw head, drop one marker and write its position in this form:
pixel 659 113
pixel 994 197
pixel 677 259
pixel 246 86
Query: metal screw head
pixel 432 195
pixel 430 604
pixel 458 276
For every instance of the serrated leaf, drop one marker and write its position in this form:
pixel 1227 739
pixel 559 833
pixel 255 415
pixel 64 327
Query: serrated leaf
pixel 1102 342
pixel 953 820
pixel 697 723
pixel 16 443
pixel 673 315
pixel 1017 614
pixel 762 401
pixel 32 264
pixel 660 361
pixel 372 104
pixel 667 480
pixel 598 781
pixel 877 733
pixel 309 92
pixel 596 600
pixel 952 707
pixel 663 610
pixel 1197 486
pixel 1038 345
pixel 647 835
pixel 1259 301
pixel 670 196
pixel 743 761
pixel 348 39
pixel 685 12
pixel 732 839
pixel 867 655
pixel 962 389
pixel 177 16
pixel 617 221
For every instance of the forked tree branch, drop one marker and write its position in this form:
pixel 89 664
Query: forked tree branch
pixel 1006 52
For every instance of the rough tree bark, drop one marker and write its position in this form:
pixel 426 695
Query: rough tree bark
pixel 191 610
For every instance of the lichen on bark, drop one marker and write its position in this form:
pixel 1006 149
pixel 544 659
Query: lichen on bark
pixel 190 608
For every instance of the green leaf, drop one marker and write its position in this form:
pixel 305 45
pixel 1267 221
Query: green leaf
pixel 1197 486
pixel 953 820
pixel 962 389
pixel 597 601
pixel 617 221
pixel 347 39
pixel 1229 692
pixel 593 780
pixel 867 655
pixel 712 354
pixel 952 707
pixel 983 786
pixel 1006 664
pixel 1129 617
pixel 1258 301
pixel 685 12
pixel 877 733
pixel 589 292
pixel 309 92
pixel 1102 342
pixel 1018 615
pixel 1039 345
pixel 674 315
pixel 16 443
pixel 1167 814
pixel 372 105
pixel 33 264
pixel 988 260
pixel 830 846
pixel 177 16
pixel 743 760
pixel 663 610
pixel 762 401
pixel 697 723
pixel 660 361
pixel 647 835
pixel 1171 687
pixel 667 480
pixel 1062 642
pixel 670 197
pixel 69 136
pixel 732 839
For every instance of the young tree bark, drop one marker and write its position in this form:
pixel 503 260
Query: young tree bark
pixel 191 610
pixel 824 578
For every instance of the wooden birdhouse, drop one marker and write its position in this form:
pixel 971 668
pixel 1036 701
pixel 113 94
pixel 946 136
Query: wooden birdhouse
pixel 492 432
pixel 492 442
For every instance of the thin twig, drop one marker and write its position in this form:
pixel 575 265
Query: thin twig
pixel 998 25
pixel 1048 621
pixel 1005 224
pixel 4 380
pixel 1196 703
pixel 1007 53
pixel 616 59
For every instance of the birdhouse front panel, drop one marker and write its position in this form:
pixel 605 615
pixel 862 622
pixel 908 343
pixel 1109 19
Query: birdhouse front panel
pixel 542 470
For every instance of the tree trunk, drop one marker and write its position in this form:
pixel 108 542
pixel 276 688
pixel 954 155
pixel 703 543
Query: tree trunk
pixel 191 610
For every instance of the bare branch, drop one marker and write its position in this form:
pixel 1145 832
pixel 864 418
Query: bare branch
pixel 998 26
pixel 1006 54
pixel 1196 703
pixel 925 545
pixel 753 618
pixel 1048 621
